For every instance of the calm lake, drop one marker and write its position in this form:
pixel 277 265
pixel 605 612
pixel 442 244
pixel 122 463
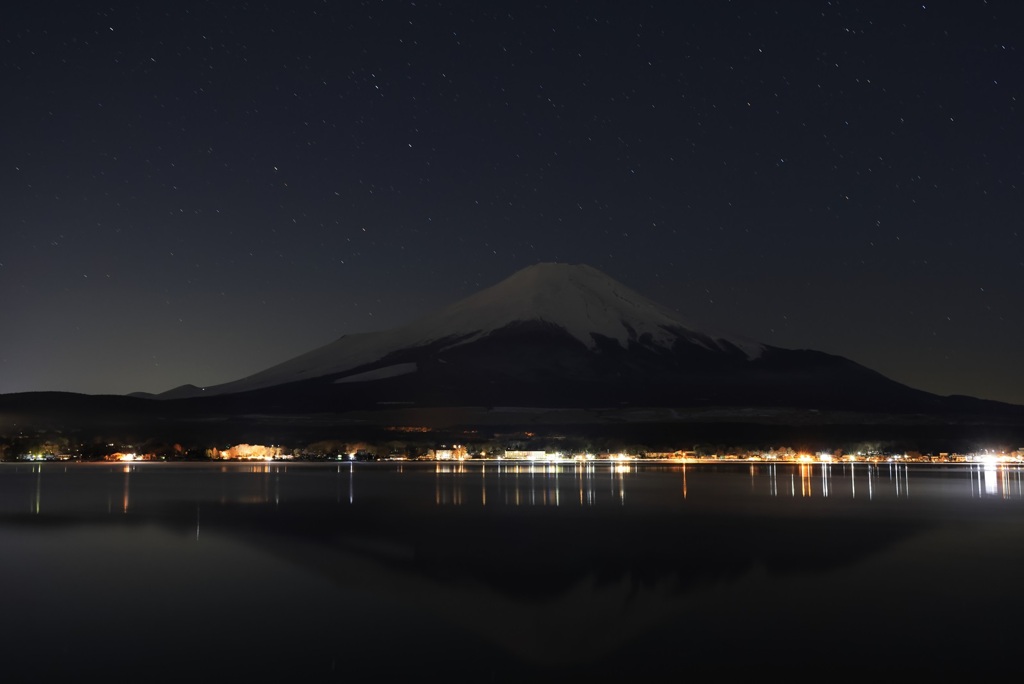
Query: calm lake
pixel 501 571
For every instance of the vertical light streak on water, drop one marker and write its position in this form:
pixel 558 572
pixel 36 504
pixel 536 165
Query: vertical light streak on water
pixel 532 485
pixel 805 480
pixel 197 522
pixel 457 484
pixel 37 498
pixel 451 486
pixel 441 489
pixel 792 485
pixel 773 480
pixel 454 482
pixel 503 482
pixel 896 479
pixel 579 481
pixel 684 481
pixel 991 480
pixel 853 481
pixel 503 470
pixel 826 475
pixel 557 469
pixel 125 492
pixel 483 484
pixel 518 487
pixel 589 475
pixel 622 488
pixel 351 483
pixel 547 497
pixel 277 486
pixel 753 479
pixel 592 485
pixel 871 484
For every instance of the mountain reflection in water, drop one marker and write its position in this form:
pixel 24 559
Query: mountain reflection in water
pixel 490 571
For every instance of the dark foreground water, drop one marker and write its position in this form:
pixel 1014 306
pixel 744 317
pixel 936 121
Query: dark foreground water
pixel 508 572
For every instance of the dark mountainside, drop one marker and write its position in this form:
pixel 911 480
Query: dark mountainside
pixel 555 349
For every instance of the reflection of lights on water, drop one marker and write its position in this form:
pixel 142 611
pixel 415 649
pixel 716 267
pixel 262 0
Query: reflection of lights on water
pixel 39 489
pixel 806 471
pixel 996 478
pixel 993 477
pixel 585 483
pixel 586 478
pixel 902 483
pixel 621 471
pixel 831 482
pixel 127 477
pixel 531 483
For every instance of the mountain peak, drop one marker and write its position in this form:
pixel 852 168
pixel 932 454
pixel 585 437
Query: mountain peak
pixel 578 298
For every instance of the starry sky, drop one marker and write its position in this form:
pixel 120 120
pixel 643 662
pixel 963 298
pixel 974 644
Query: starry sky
pixel 194 191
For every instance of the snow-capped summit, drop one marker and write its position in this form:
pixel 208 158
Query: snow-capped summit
pixel 577 298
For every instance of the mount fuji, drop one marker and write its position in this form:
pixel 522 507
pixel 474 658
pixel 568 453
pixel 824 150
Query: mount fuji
pixel 558 335
pixel 552 347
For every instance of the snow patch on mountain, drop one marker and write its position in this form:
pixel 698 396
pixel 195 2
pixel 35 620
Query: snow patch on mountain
pixel 380 373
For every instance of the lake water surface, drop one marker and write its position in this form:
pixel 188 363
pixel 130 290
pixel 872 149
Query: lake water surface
pixel 501 571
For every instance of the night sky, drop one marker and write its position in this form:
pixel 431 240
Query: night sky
pixel 192 192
